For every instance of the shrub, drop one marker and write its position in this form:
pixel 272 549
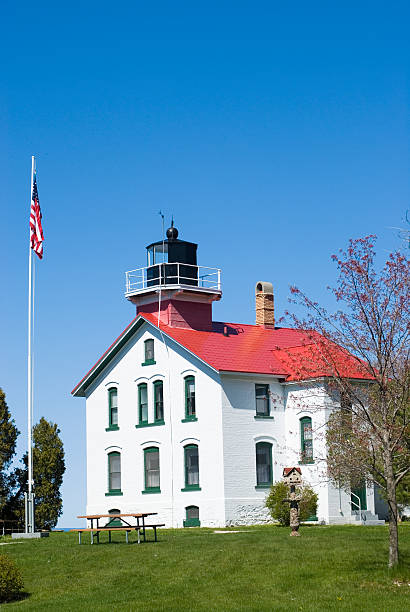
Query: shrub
pixel 11 582
pixel 280 510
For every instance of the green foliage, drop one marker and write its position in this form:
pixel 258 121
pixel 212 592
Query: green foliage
pixel 8 437
pixel 280 510
pixel 11 582
pixel 48 470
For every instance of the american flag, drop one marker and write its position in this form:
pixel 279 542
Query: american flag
pixel 36 230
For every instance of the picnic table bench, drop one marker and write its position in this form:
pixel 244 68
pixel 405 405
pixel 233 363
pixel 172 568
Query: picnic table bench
pixel 124 527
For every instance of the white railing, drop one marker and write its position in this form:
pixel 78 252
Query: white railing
pixel 165 274
pixel 358 505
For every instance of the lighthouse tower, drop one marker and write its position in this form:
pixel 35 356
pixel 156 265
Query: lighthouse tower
pixel 173 287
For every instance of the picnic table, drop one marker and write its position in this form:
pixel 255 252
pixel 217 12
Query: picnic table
pixel 125 525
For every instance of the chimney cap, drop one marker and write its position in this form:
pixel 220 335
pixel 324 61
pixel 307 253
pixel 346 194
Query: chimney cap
pixel 264 287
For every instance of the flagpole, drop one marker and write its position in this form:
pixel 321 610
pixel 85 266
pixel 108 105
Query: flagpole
pixel 29 506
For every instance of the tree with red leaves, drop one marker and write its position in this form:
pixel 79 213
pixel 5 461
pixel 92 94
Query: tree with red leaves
pixel 363 349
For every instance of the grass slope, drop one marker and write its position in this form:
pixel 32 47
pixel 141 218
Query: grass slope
pixel 260 568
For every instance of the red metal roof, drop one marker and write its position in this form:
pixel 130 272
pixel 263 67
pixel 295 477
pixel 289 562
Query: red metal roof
pixel 285 352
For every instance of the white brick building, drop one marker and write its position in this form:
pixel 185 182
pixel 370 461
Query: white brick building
pixel 194 419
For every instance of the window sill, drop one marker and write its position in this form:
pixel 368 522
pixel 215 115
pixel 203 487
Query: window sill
pixel 112 428
pixel 150 424
pixel 153 490
pixel 263 416
pixel 192 488
pixel 189 419
pixel 263 486
pixel 192 523
pixel 111 493
pixel 306 462
pixel 149 362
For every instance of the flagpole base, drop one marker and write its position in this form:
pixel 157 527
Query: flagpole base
pixel 29 536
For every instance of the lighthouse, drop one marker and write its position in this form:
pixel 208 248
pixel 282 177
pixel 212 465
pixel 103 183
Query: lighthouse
pixel 172 286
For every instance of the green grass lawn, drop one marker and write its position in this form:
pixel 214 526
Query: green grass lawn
pixel 260 568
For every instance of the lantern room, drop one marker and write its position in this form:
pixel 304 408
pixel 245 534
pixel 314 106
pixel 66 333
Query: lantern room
pixel 172 285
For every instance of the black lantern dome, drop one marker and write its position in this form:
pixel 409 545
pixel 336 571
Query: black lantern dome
pixel 172 261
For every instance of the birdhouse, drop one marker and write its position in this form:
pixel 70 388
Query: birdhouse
pixel 292 475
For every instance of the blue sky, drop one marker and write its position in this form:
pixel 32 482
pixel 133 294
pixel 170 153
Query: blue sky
pixel 272 134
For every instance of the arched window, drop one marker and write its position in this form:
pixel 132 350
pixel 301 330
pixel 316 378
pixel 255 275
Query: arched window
pixel 192 517
pixel 263 464
pixel 191 459
pixel 158 401
pixel 306 440
pixel 142 403
pixel 112 408
pixel 190 408
pixel 114 473
pixel 151 470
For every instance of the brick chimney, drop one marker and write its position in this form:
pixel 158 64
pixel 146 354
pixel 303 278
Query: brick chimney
pixel 265 313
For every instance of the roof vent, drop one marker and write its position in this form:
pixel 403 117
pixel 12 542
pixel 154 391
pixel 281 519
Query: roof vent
pixel 265 313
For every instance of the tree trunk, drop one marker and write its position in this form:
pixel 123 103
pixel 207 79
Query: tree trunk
pixel 393 512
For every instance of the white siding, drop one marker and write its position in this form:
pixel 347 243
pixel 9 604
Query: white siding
pixel 126 371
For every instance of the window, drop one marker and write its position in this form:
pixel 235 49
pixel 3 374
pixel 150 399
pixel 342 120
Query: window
pixel 158 401
pixel 190 409
pixel 306 440
pixel 263 464
pixel 151 468
pixel 142 403
pixel 114 522
pixel 191 467
pixel 192 517
pixel 346 416
pixel 262 400
pixel 149 352
pixel 114 474
pixel 112 409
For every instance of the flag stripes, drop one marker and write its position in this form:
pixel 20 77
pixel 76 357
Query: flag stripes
pixel 36 230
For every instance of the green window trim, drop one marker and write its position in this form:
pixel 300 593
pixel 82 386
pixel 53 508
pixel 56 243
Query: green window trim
pixel 144 424
pixel 149 355
pixel 190 404
pixel 260 471
pixel 112 407
pixel 113 490
pixel 153 488
pixel 191 467
pixel 112 493
pixel 114 522
pixel 306 441
pixel 191 521
pixel 263 416
pixel 189 419
pixel 142 406
pixel 158 401
pixel 112 428
pixel 262 403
